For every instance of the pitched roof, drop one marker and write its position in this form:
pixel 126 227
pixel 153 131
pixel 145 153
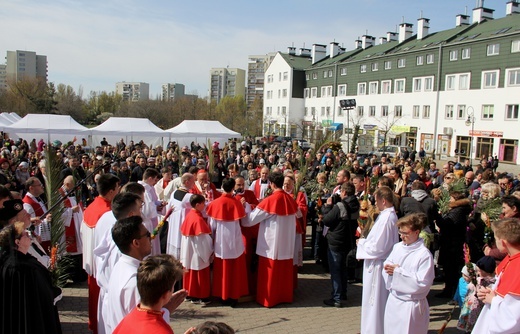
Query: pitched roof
pixel 296 62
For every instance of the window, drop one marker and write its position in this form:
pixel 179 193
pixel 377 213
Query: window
pixel 313 111
pixel 284 93
pixel 399 86
pixel 513 77
pixel 284 110
pixel 450 82
pixel 307 77
pixel 342 90
pixel 388 65
pixel 454 55
pixel 323 91
pixel 314 75
pixel 314 92
pixel 285 76
pixel 384 111
pixel 466 53
pixel 416 111
pixel 325 74
pixel 360 111
pixel 386 87
pixel 373 88
pixel 420 60
pixel 279 93
pixel 340 111
pixel 363 68
pixel 322 111
pixel 515 46
pixel 330 73
pixel 511 111
pixel 362 88
pixel 493 49
pixel 401 62
pixel 428 84
pixel 398 111
pixel 306 111
pixel 279 76
pixel 328 111
pixel 375 67
pixel 417 83
pixel 270 78
pixel 343 71
pixel 306 93
pixel 449 112
pixel 490 79
pixel 429 58
pixel 372 111
pixel 426 112
pixel 461 111
pixel 487 111
pixel 329 90
pixel 464 81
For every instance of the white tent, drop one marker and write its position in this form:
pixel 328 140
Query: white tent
pixel 201 132
pixel 49 127
pixel 128 128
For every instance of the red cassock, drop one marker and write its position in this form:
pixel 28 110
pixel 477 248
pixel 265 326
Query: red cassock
pixel 141 321
pixel 250 235
pixel 197 282
pixel 275 277
pixel 229 274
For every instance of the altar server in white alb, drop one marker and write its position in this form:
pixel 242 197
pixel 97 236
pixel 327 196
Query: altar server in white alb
pixel 374 250
pixel 408 273
pixel 180 202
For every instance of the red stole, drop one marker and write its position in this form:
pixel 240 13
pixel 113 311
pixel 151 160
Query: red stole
pixel 38 211
pixel 70 231
pixel 509 282
pixel 226 208
pixel 165 183
pixel 279 203
pixel 258 188
pixel 301 225
pixel 194 224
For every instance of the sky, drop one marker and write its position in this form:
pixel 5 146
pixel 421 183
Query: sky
pixel 94 44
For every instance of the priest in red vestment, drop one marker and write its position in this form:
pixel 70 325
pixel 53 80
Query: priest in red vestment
pixel 276 215
pixel 204 187
pixel 108 187
pixel 229 265
pixel 196 252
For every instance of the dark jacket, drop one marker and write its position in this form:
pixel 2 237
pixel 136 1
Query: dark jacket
pixel 453 227
pixel 341 231
pixel 420 202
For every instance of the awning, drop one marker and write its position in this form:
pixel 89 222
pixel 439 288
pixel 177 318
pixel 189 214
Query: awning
pixel 336 126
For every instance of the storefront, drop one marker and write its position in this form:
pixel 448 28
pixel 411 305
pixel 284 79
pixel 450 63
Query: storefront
pixel 485 142
pixel 427 142
pixel 462 146
pixel 405 135
pixel 443 146
pixel 508 150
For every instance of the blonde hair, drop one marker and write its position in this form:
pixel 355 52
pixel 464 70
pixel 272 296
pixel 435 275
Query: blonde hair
pixel 492 189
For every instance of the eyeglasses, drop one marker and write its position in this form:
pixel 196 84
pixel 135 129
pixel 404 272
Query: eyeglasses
pixel 147 234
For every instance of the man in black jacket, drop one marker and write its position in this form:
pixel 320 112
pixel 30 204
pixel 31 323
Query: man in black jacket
pixel 341 221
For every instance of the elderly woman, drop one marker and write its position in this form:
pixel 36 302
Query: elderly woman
pixel 27 296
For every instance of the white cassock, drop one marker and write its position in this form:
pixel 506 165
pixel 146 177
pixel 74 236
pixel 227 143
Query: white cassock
pixel 262 189
pixel 150 214
pixel 68 216
pixel 106 255
pixel 374 250
pixel 407 309
pixel 502 316
pixel 123 295
pixel 164 193
pixel 180 201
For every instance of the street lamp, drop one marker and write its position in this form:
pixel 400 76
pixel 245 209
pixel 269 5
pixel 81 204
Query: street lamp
pixel 313 125
pixel 348 105
pixel 470 121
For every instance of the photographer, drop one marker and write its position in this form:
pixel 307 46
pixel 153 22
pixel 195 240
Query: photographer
pixel 341 220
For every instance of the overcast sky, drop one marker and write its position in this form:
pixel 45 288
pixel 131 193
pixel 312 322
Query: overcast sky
pixel 94 44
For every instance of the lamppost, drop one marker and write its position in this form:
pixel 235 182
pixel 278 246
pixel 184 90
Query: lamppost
pixel 313 125
pixel 348 105
pixel 471 121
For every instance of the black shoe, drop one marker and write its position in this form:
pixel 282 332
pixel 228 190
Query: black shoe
pixel 332 302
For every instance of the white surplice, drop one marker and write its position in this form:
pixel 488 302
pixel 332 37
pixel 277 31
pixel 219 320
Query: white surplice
pixel 196 251
pixel 407 309
pixel 228 238
pixel 374 250
pixel 263 189
pixel 181 209
pixel 150 214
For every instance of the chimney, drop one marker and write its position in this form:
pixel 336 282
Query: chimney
pixel 462 19
pixel 382 40
pixel 512 7
pixel 405 31
pixel 367 41
pixel 423 27
pixel 318 52
pixel 334 49
pixel 357 44
pixel 480 13
pixel 291 50
pixel 391 36
pixel 305 52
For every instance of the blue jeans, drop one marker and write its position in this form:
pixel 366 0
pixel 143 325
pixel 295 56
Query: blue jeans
pixel 338 273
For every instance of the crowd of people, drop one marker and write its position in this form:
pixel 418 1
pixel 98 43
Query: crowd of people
pixel 149 228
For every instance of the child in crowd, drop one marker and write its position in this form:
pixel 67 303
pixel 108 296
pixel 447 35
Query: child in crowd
pixel 472 305
pixel 196 252
pixel 469 274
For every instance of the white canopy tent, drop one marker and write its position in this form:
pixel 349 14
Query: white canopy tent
pixel 201 132
pixel 48 127
pixel 128 128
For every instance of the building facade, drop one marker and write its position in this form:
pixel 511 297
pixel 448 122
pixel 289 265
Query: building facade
pixel 256 67
pixel 171 91
pixel 25 64
pixel 226 81
pixel 3 77
pixel 133 91
pixel 455 91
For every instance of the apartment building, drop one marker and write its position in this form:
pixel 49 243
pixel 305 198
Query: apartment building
pixel 225 81
pixel 171 91
pixel 3 76
pixel 25 64
pixel 256 67
pixel 133 91
pixel 456 90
